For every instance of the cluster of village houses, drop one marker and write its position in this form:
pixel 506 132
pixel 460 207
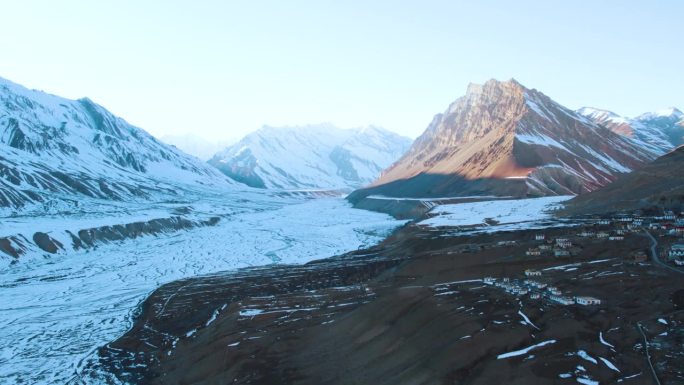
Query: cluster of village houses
pixel 613 229
pixel 668 224
pixel 535 289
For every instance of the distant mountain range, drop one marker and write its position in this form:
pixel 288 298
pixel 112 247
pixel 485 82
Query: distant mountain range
pixel 56 152
pixel 501 138
pixel 660 131
pixel 311 157
pixel 505 139
pixel 197 146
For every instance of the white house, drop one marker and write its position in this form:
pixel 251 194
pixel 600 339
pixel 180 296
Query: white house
pixel 562 300
pixel 563 242
pixel 587 301
pixel 677 250
pixel 554 290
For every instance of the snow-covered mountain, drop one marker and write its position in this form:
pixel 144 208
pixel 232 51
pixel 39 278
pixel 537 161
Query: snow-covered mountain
pixel 56 152
pixel 660 131
pixel 197 145
pixel 505 139
pixel 311 157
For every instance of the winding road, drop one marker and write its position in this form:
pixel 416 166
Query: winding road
pixel 656 259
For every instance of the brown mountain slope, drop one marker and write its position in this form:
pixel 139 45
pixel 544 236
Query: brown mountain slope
pixel 658 184
pixel 505 139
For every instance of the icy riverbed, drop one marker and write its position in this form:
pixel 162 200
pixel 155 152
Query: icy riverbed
pixel 56 311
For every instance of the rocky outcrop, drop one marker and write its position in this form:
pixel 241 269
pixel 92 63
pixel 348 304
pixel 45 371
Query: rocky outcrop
pixel 18 245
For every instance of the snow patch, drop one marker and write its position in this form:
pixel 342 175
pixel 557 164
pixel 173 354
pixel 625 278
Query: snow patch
pixel 525 350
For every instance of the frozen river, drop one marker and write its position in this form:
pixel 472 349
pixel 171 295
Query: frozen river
pixel 55 312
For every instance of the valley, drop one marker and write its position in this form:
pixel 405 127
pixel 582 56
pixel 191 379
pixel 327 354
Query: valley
pixel 446 300
pixel 58 309
pixel 514 241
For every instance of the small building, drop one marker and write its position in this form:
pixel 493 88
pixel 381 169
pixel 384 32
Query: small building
pixel 507 243
pixel 624 218
pixel 533 252
pixel 535 284
pixel 587 234
pixel 563 300
pixel 563 242
pixel 669 215
pixel 540 237
pixel 520 291
pixel 604 222
pixel 533 273
pixel 638 257
pixel 587 301
pixel 545 247
pixel 561 253
pixel 602 234
pixel 616 238
pixel 535 296
pixel 489 280
pixel 553 290
pixel 677 250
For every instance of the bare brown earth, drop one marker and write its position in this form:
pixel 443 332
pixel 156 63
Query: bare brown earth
pixel 656 185
pixel 396 314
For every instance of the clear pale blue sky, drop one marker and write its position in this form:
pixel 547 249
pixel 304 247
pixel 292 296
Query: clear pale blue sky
pixel 221 69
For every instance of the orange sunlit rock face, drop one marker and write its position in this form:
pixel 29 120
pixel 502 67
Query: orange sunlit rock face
pixel 503 130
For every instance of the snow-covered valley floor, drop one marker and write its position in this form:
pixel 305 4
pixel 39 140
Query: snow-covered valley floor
pixel 56 311
pixel 508 214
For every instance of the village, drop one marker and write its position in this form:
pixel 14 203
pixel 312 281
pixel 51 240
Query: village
pixel 666 228
pixel 536 289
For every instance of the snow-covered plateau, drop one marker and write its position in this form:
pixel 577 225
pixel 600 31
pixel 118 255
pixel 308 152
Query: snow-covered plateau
pixel 520 212
pixel 57 309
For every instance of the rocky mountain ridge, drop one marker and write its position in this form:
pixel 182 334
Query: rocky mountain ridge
pixel 56 153
pixel 660 131
pixel 502 138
